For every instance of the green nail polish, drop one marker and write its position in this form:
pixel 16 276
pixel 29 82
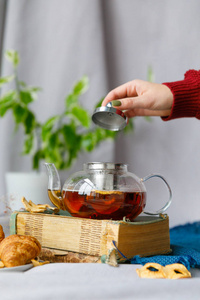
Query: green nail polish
pixel 116 103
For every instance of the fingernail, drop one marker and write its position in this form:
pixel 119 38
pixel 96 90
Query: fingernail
pixel 116 103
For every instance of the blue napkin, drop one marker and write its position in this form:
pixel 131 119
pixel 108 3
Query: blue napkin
pixel 185 245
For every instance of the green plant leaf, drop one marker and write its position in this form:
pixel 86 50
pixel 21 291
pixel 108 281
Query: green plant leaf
pixel 33 90
pixel 110 134
pixel 53 141
pixel 81 115
pixel 6 102
pixel 13 57
pixel 91 139
pixel 48 126
pixel 20 113
pixel 53 150
pixel 22 83
pixel 36 159
pixel 29 122
pixel 26 97
pixel 6 79
pixel 72 145
pixel 129 127
pixel 88 141
pixel 72 156
pixel 28 144
pixel 100 134
pixel 81 86
pixel 70 101
pixel 72 139
pixel 99 103
pixel 61 140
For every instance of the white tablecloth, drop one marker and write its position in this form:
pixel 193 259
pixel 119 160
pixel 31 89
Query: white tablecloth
pixel 94 281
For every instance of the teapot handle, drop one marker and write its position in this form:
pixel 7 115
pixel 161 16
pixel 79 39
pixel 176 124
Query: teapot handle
pixel 165 207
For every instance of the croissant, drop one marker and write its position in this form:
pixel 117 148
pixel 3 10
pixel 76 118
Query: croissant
pixel 17 250
pixel 2 235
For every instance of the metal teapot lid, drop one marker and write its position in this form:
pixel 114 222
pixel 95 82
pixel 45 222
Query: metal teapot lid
pixel 109 118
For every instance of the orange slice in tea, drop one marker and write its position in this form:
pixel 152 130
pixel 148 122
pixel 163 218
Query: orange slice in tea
pixel 105 202
pixel 73 201
pixel 76 204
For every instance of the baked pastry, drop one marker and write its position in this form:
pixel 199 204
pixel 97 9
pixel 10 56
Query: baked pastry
pixel 17 250
pixel 2 235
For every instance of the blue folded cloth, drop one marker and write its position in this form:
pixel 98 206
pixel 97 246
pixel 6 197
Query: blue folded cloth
pixel 185 245
pixel 187 235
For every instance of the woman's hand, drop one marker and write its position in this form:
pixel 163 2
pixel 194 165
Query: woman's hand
pixel 141 98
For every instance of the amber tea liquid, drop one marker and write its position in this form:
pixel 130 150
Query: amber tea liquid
pixel 104 204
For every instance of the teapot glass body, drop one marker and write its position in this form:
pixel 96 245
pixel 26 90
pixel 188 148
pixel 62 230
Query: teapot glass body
pixel 102 191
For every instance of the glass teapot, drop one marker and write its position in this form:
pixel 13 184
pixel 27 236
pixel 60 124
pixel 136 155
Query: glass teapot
pixel 101 191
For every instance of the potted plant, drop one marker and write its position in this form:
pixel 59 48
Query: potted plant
pixel 60 139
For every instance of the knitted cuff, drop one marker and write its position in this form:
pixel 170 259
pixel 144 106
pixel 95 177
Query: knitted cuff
pixel 186 96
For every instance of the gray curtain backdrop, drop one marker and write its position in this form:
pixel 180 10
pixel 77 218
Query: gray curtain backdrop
pixel 112 41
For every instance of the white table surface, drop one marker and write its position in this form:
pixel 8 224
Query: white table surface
pixel 92 281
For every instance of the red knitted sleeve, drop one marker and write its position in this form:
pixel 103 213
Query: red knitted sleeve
pixel 186 96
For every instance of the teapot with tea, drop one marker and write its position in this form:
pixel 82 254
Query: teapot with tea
pixel 102 191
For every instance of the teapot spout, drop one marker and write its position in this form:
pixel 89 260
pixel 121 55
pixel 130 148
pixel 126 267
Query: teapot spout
pixel 54 185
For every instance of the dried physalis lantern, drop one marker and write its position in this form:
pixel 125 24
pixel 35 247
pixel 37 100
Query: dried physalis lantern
pixel 37 208
pixel 154 270
pixel 177 271
pixel 151 270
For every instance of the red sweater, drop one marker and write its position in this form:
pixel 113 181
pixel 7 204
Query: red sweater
pixel 186 96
